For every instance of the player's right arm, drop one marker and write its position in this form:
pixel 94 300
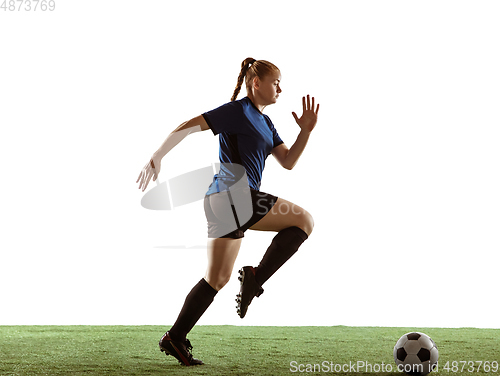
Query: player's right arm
pixel 152 168
pixel 194 125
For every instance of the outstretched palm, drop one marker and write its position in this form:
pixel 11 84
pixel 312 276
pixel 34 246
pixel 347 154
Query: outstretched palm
pixel 309 117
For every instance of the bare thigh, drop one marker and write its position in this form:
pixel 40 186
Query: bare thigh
pixel 222 253
pixel 285 214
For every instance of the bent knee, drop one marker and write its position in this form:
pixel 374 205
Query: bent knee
pixel 219 281
pixel 306 222
pixel 309 224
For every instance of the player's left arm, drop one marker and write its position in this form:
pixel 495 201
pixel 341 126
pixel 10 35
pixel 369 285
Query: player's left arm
pixel 288 157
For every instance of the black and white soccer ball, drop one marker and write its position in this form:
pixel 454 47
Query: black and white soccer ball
pixel 416 354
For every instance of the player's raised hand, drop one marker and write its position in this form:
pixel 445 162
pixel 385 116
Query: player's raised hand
pixel 151 170
pixel 309 117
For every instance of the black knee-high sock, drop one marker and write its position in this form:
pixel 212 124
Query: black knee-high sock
pixel 195 305
pixel 283 246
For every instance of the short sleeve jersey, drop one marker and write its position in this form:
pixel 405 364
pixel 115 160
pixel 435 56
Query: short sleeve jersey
pixel 246 138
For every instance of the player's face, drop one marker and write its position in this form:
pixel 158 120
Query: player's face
pixel 269 88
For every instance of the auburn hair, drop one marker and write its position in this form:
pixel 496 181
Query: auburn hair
pixel 251 68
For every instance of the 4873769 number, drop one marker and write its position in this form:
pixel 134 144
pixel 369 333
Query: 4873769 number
pixel 471 366
pixel 28 5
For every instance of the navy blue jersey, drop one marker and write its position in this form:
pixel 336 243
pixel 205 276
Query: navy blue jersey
pixel 246 138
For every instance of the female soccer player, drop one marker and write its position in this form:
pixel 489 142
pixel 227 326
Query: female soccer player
pixel 234 203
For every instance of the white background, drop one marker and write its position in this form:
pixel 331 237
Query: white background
pixel 401 173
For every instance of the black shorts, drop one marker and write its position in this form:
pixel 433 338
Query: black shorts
pixel 230 213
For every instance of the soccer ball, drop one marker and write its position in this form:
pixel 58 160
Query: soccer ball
pixel 416 354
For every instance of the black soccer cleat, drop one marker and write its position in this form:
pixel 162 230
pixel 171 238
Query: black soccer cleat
pixel 180 350
pixel 248 290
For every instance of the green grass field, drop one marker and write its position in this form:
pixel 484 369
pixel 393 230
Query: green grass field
pixel 231 350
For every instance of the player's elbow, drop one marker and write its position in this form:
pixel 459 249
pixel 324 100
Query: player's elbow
pixel 290 161
pixel 288 165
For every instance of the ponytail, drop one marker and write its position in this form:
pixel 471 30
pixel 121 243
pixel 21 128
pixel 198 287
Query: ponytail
pixel 245 65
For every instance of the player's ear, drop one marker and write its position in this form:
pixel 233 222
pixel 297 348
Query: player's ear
pixel 256 83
